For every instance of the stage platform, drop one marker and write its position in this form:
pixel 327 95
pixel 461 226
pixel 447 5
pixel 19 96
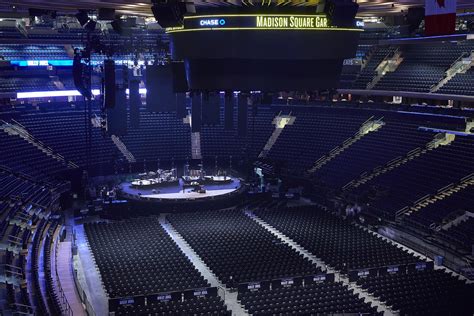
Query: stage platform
pixel 176 192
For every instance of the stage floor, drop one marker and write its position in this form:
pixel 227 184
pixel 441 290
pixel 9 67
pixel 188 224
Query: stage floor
pixel 176 192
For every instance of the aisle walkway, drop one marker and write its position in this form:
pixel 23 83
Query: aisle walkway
pixel 66 278
pixel 88 274
pixel 381 306
pixel 230 298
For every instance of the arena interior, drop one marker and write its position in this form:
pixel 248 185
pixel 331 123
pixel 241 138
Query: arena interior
pixel 237 157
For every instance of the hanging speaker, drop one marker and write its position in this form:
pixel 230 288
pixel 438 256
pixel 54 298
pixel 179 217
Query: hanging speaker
pixel 229 110
pixel 81 77
pixel 116 122
pixel 196 112
pixel 170 13
pixel 134 103
pixel 341 12
pixel 109 83
pixel 159 83
pixel 242 113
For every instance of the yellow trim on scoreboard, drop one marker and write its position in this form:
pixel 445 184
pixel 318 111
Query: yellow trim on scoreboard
pixel 263 29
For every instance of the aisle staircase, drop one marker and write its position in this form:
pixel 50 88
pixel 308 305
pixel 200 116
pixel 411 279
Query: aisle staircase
pixel 123 149
pixel 458 220
pixel 389 64
pixel 438 196
pixel 367 127
pixel 461 65
pixel 16 129
pixel 440 139
pixel 280 121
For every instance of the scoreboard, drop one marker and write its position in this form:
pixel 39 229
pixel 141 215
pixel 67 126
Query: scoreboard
pixel 297 22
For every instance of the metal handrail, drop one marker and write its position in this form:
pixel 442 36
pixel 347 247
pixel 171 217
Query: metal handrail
pixel 62 295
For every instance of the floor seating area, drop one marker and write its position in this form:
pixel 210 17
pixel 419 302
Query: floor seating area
pixel 432 292
pixel 338 243
pixel 237 249
pixel 345 247
pixel 137 257
pixel 198 306
pixel 311 299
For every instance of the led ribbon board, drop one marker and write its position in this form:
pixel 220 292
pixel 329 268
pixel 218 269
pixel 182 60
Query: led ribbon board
pixel 256 22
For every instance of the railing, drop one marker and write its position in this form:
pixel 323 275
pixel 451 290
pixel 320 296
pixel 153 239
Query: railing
pixel 82 294
pixel 468 178
pixel 66 307
pixel 48 150
pixel 452 70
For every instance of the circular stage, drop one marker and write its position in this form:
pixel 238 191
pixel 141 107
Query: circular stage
pixel 182 191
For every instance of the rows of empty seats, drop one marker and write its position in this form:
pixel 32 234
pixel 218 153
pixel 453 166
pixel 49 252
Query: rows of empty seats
pixel 242 253
pixel 159 136
pixel 311 299
pixel 52 299
pixel 218 141
pixel 460 84
pixel 346 247
pixel 23 84
pixel 314 134
pixel 137 257
pixel 22 188
pixel 431 292
pixel 435 213
pixel 199 306
pixel 426 174
pixel 237 249
pixel 49 128
pixel 33 52
pixel 422 67
pixel 14 239
pixel 395 138
pixel 367 73
pixel 8 29
pixel 339 244
pixel 460 235
pixel 21 156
